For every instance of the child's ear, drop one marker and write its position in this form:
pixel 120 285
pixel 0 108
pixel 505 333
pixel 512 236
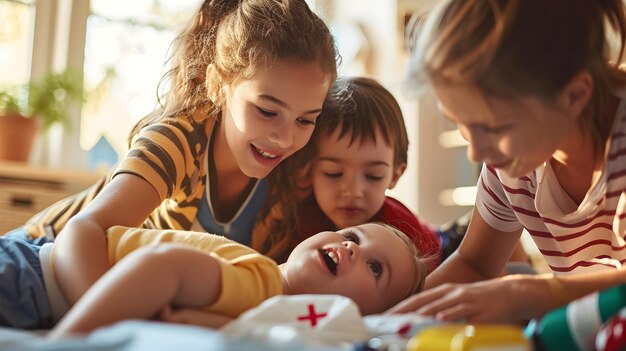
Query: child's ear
pixel 213 84
pixel 303 177
pixel 575 96
pixel 398 171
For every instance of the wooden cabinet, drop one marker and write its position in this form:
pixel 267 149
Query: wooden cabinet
pixel 26 190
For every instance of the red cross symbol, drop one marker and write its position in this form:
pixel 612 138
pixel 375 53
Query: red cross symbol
pixel 312 316
pixel 404 328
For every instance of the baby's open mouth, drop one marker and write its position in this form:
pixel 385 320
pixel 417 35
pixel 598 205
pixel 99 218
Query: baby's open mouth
pixel 331 259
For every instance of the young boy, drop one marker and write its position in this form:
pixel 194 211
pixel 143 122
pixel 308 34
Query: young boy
pixel 373 264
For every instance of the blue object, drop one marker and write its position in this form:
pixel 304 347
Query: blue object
pixel 23 298
pixel 102 155
pixel 145 335
pixel 241 225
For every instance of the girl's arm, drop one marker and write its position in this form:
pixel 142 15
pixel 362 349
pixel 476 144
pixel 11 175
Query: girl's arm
pixel 80 254
pixel 482 254
pixel 142 284
pixel 510 299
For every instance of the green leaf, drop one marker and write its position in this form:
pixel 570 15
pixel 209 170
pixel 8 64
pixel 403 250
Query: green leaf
pixel 48 99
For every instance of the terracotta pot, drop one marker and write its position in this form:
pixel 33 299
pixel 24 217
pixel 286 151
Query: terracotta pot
pixel 17 135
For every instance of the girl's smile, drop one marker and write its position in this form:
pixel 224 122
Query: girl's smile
pixel 266 158
pixel 268 117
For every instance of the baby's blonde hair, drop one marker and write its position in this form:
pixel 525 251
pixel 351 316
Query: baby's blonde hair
pixel 419 261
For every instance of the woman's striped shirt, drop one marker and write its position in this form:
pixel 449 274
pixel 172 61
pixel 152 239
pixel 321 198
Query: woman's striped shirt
pixel 573 239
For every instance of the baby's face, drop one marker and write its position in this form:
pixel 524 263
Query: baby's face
pixel 368 263
pixel 350 180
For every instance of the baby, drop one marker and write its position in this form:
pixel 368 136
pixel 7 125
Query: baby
pixel 373 264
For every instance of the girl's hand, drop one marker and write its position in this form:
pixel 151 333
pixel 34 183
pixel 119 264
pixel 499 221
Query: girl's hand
pixel 193 317
pixel 511 299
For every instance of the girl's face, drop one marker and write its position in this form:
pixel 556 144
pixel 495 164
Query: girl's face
pixel 349 180
pixel 368 263
pixel 515 136
pixel 269 117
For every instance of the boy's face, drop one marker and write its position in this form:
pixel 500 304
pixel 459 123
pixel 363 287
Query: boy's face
pixel 368 263
pixel 349 180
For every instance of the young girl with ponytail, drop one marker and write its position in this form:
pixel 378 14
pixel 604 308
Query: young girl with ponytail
pixel 247 83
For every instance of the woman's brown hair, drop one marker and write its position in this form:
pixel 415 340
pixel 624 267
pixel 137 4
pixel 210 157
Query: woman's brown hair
pixel 516 48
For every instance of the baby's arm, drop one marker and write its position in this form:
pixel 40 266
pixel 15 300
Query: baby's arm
pixel 141 284
pixel 79 258
pixel 193 317
pixel 80 250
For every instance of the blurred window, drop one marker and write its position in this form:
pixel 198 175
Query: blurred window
pixel 16 40
pixel 126 47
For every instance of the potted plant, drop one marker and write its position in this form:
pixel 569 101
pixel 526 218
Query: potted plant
pixel 35 106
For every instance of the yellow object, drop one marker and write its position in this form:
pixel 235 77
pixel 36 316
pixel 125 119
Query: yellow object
pixel 455 337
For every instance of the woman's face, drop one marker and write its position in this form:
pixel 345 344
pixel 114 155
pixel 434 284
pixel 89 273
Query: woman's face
pixel 267 118
pixel 515 136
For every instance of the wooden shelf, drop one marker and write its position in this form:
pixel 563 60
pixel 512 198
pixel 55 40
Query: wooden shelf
pixel 25 190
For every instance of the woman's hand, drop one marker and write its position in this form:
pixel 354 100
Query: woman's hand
pixel 193 317
pixel 510 299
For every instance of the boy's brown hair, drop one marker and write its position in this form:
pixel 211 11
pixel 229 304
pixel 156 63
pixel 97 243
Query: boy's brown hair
pixel 419 260
pixel 358 108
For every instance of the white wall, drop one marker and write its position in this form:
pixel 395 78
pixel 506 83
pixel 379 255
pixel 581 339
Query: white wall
pixel 59 42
